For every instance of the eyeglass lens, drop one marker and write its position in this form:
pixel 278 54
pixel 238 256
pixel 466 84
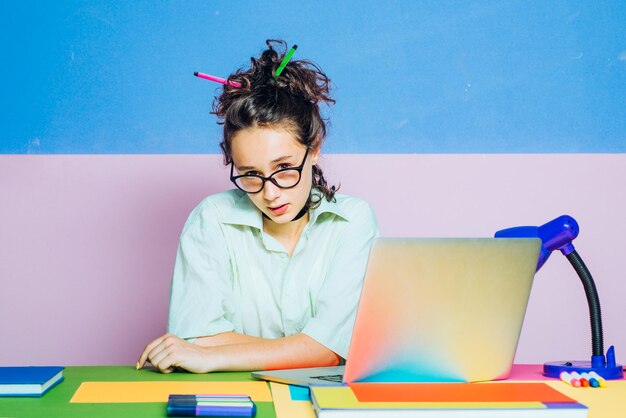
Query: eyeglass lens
pixel 283 179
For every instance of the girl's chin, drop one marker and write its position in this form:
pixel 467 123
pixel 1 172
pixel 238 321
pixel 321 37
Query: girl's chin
pixel 279 219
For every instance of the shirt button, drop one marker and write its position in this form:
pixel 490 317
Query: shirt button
pixel 283 255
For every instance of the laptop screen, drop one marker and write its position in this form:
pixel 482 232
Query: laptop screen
pixel 441 309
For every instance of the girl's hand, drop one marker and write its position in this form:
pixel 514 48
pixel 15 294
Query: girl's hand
pixel 169 351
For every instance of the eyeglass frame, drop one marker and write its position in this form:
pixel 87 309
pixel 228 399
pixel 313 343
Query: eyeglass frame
pixel 264 179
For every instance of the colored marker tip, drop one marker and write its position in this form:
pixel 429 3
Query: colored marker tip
pixel 195 73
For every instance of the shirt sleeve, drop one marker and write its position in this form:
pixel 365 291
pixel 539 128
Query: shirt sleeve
pixel 339 296
pixel 201 293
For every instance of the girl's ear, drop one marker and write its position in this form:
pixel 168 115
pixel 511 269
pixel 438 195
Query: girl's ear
pixel 315 156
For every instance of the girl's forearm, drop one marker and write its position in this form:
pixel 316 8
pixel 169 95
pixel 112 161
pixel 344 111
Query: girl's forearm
pixel 254 353
pixel 226 338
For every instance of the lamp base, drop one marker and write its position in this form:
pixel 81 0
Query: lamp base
pixel 554 369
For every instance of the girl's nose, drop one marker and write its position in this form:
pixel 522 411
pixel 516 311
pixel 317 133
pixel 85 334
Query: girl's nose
pixel 270 191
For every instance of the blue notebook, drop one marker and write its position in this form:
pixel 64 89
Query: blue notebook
pixel 28 381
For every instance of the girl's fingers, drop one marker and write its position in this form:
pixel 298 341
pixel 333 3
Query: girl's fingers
pixel 146 352
pixel 164 362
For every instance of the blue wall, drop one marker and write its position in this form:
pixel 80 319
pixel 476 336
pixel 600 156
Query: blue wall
pixel 409 76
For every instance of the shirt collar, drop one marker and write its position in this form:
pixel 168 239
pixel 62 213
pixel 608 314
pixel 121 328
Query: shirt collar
pixel 244 212
pixel 325 207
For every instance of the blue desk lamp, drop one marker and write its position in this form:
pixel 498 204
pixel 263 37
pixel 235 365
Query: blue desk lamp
pixel 559 234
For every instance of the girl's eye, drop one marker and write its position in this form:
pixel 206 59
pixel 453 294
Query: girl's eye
pixel 251 173
pixel 284 165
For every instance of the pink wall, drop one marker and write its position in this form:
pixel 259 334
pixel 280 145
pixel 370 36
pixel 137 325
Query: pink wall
pixel 87 243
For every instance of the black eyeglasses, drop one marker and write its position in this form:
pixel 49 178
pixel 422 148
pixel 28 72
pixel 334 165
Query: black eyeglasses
pixel 254 183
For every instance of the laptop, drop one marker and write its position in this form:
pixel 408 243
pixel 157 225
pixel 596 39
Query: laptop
pixel 434 310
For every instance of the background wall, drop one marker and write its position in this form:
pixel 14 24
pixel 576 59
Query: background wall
pixel 85 77
pixel 453 119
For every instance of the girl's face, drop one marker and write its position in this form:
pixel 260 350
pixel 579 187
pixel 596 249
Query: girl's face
pixel 263 151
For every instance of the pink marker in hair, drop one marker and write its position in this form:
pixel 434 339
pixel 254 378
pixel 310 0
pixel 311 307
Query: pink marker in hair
pixel 217 79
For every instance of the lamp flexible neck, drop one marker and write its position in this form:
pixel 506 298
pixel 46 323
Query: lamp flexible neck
pixel 595 315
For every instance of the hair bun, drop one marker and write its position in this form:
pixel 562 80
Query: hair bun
pixel 301 78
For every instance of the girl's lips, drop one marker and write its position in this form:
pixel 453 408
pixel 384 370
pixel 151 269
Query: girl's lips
pixel 279 210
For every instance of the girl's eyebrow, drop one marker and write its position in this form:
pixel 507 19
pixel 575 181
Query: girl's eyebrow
pixel 277 160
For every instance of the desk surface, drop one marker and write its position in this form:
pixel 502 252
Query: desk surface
pixel 56 402
pixel 604 403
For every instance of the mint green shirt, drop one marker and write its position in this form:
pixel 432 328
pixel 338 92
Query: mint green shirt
pixel 232 276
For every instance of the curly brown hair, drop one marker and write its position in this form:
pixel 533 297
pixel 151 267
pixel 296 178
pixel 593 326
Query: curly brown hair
pixel 290 101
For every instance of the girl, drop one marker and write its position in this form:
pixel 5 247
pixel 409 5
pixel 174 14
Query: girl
pixel 268 275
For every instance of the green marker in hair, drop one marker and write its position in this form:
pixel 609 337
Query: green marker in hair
pixel 283 64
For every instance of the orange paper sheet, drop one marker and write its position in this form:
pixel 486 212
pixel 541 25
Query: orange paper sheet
pixel 457 392
pixel 124 392
pixel 342 397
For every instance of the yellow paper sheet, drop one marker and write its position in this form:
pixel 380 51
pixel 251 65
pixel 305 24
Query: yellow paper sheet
pixel 122 392
pixel 285 407
pixel 605 402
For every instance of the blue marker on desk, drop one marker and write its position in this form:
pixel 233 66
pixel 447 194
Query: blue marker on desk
pixel 600 379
